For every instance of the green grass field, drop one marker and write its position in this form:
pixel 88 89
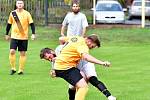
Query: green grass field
pixel 128 78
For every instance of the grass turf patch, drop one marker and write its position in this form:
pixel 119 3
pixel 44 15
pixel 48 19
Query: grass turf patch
pixel 127 78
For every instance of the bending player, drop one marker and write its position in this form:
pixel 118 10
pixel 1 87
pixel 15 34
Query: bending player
pixel 86 67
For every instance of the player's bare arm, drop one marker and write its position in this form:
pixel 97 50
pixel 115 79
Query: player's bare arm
pixel 62 30
pixel 92 59
pixel 62 40
pixel 83 32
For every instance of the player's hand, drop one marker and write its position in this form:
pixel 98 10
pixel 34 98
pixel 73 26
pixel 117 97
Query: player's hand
pixel 61 42
pixel 52 73
pixel 33 37
pixel 53 59
pixel 7 37
pixel 106 64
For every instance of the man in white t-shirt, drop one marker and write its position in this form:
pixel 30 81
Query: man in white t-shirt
pixel 75 21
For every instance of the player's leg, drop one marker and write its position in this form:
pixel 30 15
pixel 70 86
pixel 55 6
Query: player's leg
pixel 12 56
pixel 82 89
pixel 89 70
pixel 12 59
pixel 72 89
pixel 71 92
pixel 74 77
pixel 22 60
pixel 22 48
pixel 101 86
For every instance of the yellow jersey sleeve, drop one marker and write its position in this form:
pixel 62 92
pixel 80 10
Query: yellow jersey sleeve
pixel 30 20
pixel 10 19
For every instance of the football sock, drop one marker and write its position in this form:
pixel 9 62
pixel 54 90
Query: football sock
pixel 12 59
pixel 98 84
pixel 71 93
pixel 22 60
pixel 81 93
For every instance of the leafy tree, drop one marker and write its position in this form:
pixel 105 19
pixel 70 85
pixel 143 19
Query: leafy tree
pixel 122 2
pixel 68 2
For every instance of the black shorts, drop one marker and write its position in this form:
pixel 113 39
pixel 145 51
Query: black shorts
pixel 72 75
pixel 21 44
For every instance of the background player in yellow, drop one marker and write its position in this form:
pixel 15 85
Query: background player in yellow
pixel 68 2
pixel 19 36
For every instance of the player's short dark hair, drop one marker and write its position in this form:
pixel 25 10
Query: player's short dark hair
pixel 19 0
pixel 44 51
pixel 95 39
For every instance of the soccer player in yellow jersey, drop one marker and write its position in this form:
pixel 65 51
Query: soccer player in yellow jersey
pixel 85 67
pixel 75 49
pixel 19 36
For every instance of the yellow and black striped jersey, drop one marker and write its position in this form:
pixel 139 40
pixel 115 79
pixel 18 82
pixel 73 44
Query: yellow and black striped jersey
pixel 25 19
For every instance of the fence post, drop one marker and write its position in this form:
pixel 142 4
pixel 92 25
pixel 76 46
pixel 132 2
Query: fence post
pixel 46 12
